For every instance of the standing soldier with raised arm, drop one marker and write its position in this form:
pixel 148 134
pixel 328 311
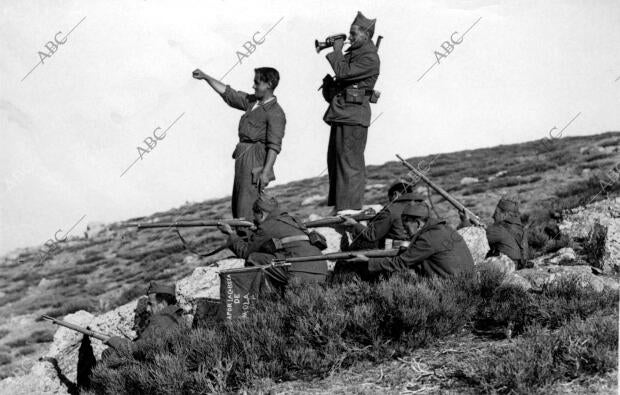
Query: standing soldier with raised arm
pixel 261 129
pixel 348 115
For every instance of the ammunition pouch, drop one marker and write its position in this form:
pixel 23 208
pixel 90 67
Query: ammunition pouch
pixel 356 95
pixel 274 245
pixel 317 240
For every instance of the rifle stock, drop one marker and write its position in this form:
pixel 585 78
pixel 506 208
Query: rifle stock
pixel 77 328
pixel 458 205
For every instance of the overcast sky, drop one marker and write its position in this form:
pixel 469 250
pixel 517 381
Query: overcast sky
pixel 73 125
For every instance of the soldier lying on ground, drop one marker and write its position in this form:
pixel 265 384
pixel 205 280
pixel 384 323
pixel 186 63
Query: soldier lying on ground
pixel 435 249
pixel 165 316
pixel 386 229
pixel 507 234
pixel 279 235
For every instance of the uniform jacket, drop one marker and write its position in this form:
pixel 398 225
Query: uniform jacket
pixel 278 225
pixel 164 321
pixel 359 67
pixel 436 250
pixel 387 224
pixel 508 237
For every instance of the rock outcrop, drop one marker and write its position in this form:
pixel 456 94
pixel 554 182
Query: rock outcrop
pixel 42 379
pixel 580 222
pixel 476 239
pixel 203 283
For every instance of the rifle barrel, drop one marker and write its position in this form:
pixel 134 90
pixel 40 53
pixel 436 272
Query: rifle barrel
pixel 194 224
pixel 458 205
pixel 77 328
pixel 329 221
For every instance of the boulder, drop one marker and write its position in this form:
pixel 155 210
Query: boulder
pixel 476 239
pixel 580 222
pixel 203 283
pixel 553 274
pixel 42 379
pixel 469 180
pixel 514 279
pixel 562 256
pixel 118 322
pixel 499 263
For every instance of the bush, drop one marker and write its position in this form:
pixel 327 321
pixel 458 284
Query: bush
pixel 5 359
pixel 315 330
pixel 541 357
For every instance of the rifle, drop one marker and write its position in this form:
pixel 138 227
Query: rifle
pixel 216 222
pixel 328 221
pixel 335 256
pixel 76 328
pixel 473 217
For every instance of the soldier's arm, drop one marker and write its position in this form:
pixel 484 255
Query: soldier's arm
pixel 414 255
pixel 242 248
pixel 376 229
pixel 120 345
pixel 236 99
pixel 276 123
pixel 366 66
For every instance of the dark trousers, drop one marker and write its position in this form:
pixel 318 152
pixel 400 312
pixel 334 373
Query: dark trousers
pixel 346 166
pixel 245 191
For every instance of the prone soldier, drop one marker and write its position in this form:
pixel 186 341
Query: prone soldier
pixel 279 235
pixel 435 249
pixel 165 316
pixel 386 229
pixel 507 234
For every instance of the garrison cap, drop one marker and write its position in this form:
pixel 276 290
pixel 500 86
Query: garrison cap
pixel 160 288
pixel 416 209
pixel 365 23
pixel 265 202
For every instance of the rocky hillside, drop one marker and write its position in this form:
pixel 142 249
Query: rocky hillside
pixel 112 264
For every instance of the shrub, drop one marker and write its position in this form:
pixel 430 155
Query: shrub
pixel 5 359
pixel 315 330
pixel 4 332
pixel 542 357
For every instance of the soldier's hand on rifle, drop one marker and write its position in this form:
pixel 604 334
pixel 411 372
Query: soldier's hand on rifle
pixel 348 221
pixel 465 221
pixel 225 228
pixel 199 75
pixel 338 44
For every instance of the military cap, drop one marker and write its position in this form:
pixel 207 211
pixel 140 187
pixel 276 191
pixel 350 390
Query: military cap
pixel 265 202
pixel 365 23
pixel 159 288
pixel 416 209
